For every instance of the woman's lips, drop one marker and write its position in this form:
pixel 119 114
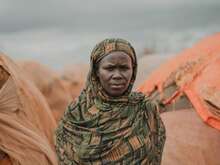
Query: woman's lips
pixel 117 86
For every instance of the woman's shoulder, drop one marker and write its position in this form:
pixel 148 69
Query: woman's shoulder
pixel 149 105
pixel 136 97
pixel 80 100
pixel 146 103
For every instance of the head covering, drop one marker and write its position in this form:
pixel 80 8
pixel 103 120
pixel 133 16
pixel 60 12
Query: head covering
pixel 101 129
pixel 101 50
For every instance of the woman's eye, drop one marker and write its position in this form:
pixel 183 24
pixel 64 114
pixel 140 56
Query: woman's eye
pixel 124 68
pixel 109 68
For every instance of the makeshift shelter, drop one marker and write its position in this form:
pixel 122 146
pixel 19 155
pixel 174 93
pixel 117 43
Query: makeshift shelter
pixel 26 121
pixel 74 77
pixel 190 79
pixel 189 141
pixel 147 64
pixel 188 85
pixel 49 83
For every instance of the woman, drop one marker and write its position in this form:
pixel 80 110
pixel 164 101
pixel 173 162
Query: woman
pixel 109 124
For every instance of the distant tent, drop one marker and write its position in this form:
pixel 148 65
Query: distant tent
pixel 74 77
pixel 190 79
pixel 50 84
pixel 26 121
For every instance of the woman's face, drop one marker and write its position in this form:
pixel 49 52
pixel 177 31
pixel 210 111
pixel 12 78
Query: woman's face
pixel 115 72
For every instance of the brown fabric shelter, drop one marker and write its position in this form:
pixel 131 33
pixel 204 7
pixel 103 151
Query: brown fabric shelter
pixel 189 141
pixel 26 121
pixel 49 83
pixel 74 78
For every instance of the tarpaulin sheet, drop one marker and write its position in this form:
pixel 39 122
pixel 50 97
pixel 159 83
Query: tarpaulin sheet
pixel 196 73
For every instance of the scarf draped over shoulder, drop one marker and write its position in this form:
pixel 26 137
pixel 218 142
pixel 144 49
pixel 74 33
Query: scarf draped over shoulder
pixel 99 129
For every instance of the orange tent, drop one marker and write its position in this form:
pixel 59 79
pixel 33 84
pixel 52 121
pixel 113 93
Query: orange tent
pixel 195 74
pixel 26 121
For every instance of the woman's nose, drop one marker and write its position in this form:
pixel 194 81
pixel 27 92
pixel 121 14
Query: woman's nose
pixel 117 74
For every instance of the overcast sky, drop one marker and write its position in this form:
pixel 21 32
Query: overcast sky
pixel 17 15
pixel 36 28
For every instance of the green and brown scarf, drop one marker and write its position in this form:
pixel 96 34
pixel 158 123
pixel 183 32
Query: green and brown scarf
pixel 101 130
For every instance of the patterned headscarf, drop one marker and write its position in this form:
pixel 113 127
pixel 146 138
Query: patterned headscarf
pixel 99 129
pixel 101 50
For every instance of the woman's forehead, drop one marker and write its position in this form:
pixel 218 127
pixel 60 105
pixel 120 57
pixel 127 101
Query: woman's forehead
pixel 115 57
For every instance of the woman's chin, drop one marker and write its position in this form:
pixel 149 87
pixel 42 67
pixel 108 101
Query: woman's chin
pixel 116 92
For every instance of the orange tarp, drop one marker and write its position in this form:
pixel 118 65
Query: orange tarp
pixel 196 71
pixel 26 121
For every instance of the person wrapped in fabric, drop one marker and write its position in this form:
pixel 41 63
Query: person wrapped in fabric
pixel 108 124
